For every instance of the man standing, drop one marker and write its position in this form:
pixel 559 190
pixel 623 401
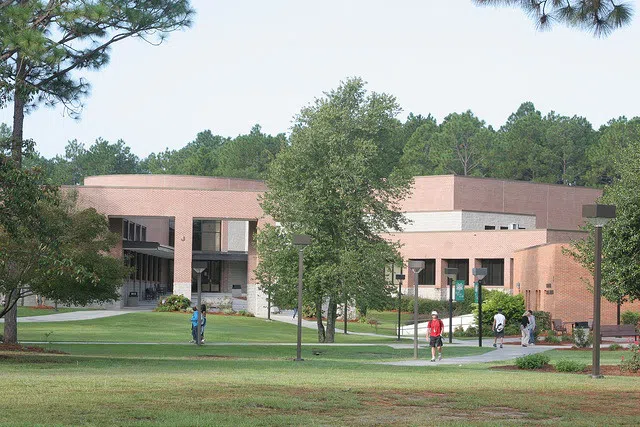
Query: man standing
pixel 434 332
pixel 532 328
pixel 498 327
pixel 194 324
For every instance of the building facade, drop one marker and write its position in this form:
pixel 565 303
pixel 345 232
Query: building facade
pixel 170 224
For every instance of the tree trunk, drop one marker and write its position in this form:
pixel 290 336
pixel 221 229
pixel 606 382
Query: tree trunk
pixel 332 314
pixel 18 113
pixel 11 325
pixel 321 335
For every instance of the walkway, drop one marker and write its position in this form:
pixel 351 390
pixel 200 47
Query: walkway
pixel 73 315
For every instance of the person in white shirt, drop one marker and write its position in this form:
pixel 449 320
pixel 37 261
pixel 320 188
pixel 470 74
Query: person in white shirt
pixel 532 328
pixel 499 322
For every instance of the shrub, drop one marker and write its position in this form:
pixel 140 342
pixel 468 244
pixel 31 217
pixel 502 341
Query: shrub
pixel 174 303
pixel 512 308
pixel 582 338
pixel 245 313
pixel 512 329
pixel 543 320
pixel 228 311
pixel 570 366
pixel 226 304
pixel 532 361
pixel 552 339
pixel 632 362
pixel 630 318
pixel 614 347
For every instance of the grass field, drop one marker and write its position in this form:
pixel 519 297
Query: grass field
pixel 259 384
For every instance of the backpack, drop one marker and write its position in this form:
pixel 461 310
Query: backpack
pixel 499 327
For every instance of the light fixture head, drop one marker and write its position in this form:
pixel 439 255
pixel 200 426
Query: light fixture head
pixel 598 215
pixel 416 266
pixel 301 240
pixel 451 273
pixel 480 273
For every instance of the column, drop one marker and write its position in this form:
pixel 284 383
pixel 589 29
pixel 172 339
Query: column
pixel 508 274
pixel 182 256
pixel 440 280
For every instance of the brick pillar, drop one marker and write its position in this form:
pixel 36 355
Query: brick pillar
pixel 440 280
pixel 473 263
pixel 252 259
pixel 182 256
pixel 508 282
pixel 224 235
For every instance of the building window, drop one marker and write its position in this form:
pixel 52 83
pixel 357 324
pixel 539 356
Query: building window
pixel 463 268
pixel 125 229
pixel 144 234
pixel 211 278
pixel 137 232
pixel 172 236
pixel 489 227
pixel 504 227
pixel 206 235
pixel 495 272
pixel 132 231
pixel 428 274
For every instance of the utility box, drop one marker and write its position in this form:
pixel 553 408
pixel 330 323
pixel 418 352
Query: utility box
pixel 132 299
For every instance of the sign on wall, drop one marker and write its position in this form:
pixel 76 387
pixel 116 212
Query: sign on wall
pixel 460 290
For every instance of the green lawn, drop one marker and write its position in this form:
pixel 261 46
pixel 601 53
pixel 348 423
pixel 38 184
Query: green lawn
pixel 173 328
pixel 388 323
pixel 30 311
pixel 134 385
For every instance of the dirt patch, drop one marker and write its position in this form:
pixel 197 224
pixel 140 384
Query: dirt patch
pixel 28 349
pixel 611 370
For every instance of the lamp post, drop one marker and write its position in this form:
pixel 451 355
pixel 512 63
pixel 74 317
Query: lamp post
pixel 399 277
pixel 198 271
pixel 300 241
pixel 451 274
pixel 480 274
pixel 416 267
pixel 598 216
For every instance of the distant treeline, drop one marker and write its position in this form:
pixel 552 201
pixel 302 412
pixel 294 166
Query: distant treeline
pixel 530 146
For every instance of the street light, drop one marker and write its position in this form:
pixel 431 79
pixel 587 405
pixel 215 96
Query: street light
pixel 300 241
pixel 399 277
pixel 598 216
pixel 198 271
pixel 451 274
pixel 480 274
pixel 416 267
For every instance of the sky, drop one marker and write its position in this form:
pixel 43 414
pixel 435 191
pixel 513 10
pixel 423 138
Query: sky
pixel 247 62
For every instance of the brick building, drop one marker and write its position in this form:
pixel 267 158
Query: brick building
pixel 171 224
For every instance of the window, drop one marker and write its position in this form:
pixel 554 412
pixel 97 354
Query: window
pixel 211 278
pixel 463 268
pixel 504 227
pixel 125 229
pixel 132 231
pixel 172 236
pixel 137 232
pixel 206 236
pixel 144 234
pixel 495 272
pixel 489 227
pixel 428 274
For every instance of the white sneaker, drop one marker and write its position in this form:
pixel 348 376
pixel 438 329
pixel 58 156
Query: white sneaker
pixel 433 360
pixel 440 357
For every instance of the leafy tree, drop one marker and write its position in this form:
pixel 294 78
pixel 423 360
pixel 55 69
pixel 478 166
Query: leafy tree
pixel 248 156
pixel 44 43
pixel 461 145
pixel 568 139
pixel 49 248
pixel 601 17
pixel 621 237
pixel 332 184
pixel 416 158
pixel 607 152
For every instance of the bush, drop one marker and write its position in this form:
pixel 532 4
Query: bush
pixel 543 320
pixel 632 362
pixel 582 338
pixel 174 303
pixel 630 318
pixel 552 339
pixel 512 307
pixel 512 329
pixel 228 311
pixel 614 347
pixel 570 366
pixel 532 361
pixel 245 313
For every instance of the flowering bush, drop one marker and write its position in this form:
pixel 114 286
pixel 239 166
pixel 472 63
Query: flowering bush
pixel 632 363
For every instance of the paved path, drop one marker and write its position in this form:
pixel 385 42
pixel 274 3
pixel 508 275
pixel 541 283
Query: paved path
pixel 73 315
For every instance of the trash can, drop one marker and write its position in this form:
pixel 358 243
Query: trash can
pixel 236 290
pixel 132 299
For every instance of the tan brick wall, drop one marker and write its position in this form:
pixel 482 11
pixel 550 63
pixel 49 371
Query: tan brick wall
pixel 546 268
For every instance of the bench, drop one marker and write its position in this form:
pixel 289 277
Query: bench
pixel 618 331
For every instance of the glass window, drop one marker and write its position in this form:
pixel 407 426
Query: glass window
pixel 463 268
pixel 172 236
pixel 144 234
pixel 211 278
pixel 428 274
pixel 132 231
pixel 196 244
pixel 495 272
pixel 211 236
pixel 489 227
pixel 125 229
pixel 137 232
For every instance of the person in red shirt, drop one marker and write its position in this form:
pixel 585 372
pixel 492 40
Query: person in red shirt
pixel 434 333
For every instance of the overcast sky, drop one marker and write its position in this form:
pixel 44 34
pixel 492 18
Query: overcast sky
pixel 245 62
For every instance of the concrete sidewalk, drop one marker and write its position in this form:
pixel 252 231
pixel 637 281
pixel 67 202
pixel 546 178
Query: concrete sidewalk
pixel 73 315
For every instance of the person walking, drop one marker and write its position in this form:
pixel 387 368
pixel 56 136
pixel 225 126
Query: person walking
pixel 532 328
pixel 203 316
pixel 499 321
pixel 434 332
pixel 194 325
pixel 524 329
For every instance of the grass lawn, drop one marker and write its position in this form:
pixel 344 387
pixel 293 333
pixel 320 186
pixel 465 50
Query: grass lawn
pixel 169 384
pixel 30 311
pixel 173 328
pixel 388 323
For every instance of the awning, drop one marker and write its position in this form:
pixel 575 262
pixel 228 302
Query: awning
pixel 220 256
pixel 149 248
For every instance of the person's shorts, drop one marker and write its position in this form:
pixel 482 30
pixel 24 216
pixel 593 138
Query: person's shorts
pixel 435 341
pixel 499 334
